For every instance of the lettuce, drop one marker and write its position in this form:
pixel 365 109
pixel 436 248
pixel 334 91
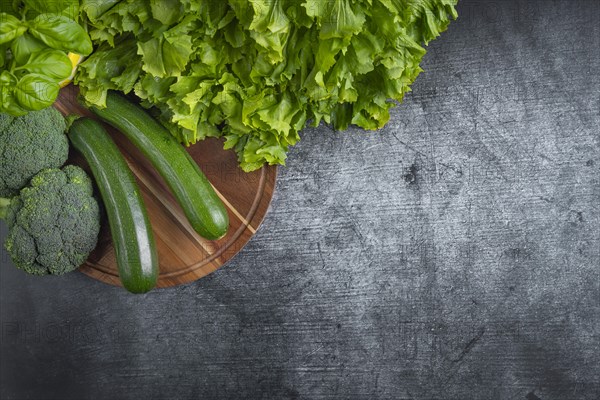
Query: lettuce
pixel 257 71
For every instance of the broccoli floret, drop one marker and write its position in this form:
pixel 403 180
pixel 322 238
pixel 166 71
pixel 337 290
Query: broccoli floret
pixel 29 144
pixel 53 223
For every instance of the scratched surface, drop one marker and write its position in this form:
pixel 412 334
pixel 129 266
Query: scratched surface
pixel 453 255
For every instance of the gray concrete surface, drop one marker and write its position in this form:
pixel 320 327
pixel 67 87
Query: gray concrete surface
pixel 453 255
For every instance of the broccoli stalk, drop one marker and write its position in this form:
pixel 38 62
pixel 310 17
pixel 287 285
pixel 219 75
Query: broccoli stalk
pixel 53 224
pixel 4 205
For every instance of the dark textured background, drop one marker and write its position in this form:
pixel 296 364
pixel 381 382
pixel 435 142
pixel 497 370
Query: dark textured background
pixel 453 255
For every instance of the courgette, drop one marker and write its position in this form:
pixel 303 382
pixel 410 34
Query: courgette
pixel 135 249
pixel 203 208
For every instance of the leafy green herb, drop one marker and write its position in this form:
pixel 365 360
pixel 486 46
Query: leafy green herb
pixel 24 47
pixel 60 32
pixel 8 100
pixel 35 37
pixel 68 8
pixel 10 28
pixel 36 91
pixel 52 63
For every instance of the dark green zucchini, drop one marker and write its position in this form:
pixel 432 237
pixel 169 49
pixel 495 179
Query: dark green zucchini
pixel 133 240
pixel 203 208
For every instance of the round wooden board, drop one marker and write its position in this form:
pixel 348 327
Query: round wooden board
pixel 184 256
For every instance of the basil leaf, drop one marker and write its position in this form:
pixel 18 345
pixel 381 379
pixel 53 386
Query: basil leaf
pixel 61 33
pixel 35 92
pixel 8 103
pixel 7 6
pixel 24 46
pixel 51 63
pixel 10 28
pixel 68 8
pixel 7 79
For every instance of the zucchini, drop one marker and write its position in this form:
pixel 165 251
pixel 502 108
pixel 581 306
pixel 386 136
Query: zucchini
pixel 194 193
pixel 133 240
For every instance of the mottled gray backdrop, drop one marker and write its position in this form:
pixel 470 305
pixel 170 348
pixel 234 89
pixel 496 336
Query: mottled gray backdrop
pixel 455 254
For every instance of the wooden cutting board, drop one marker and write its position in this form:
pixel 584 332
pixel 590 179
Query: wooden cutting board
pixel 184 256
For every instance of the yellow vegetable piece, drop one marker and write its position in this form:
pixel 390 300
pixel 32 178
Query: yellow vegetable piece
pixel 76 59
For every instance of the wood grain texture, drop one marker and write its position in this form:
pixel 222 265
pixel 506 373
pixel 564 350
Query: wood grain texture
pixel 184 256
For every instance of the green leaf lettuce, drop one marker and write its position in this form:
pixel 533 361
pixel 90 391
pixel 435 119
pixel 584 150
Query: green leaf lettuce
pixel 256 71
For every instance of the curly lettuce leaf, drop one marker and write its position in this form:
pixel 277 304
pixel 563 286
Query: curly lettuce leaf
pixel 255 72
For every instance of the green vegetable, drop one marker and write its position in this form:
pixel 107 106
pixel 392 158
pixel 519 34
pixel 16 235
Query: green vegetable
pixel 53 224
pixel 35 37
pixel 256 71
pixel 36 91
pixel 55 64
pixel 68 8
pixel 25 47
pixel 29 144
pixel 133 240
pixel 60 32
pixel 10 28
pixel 203 208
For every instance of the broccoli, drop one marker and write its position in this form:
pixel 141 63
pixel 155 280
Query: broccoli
pixel 53 223
pixel 29 144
